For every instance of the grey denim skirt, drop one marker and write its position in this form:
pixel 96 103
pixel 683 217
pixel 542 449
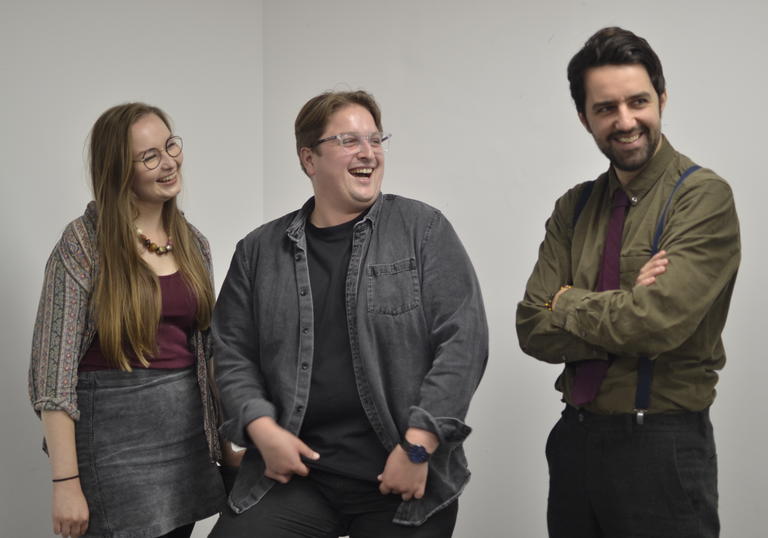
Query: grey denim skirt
pixel 142 454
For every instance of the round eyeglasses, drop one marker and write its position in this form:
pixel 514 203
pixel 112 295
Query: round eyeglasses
pixel 352 142
pixel 152 157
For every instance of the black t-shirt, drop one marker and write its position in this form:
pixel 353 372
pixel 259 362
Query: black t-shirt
pixel 335 424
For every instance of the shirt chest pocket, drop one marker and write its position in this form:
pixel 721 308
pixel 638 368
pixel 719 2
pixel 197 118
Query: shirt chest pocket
pixel 393 288
pixel 629 269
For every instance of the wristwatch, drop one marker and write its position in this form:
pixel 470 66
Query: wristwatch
pixel 416 453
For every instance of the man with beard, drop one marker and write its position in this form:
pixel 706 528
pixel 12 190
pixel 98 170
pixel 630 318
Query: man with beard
pixel 631 292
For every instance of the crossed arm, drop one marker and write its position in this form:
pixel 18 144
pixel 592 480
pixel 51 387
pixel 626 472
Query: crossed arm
pixel 658 314
pixel 647 275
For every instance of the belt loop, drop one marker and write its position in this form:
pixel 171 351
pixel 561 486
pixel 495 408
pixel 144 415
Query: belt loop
pixel 640 416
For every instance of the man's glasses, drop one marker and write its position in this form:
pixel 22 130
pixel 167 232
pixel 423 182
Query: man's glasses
pixel 152 157
pixel 352 142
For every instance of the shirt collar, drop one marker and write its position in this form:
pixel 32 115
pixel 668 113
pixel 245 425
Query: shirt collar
pixel 648 177
pixel 295 229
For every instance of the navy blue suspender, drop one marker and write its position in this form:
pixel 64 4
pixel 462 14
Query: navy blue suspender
pixel 586 192
pixel 644 364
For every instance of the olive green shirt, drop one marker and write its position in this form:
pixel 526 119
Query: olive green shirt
pixel 676 321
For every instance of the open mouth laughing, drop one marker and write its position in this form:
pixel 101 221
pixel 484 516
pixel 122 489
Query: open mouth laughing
pixel 361 171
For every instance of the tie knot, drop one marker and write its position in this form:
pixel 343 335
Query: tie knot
pixel 620 198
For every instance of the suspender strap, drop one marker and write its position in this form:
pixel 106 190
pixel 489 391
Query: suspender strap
pixel 663 216
pixel 584 195
pixel 644 364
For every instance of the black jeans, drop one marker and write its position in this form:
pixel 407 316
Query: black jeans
pixel 326 505
pixel 613 478
pixel 180 532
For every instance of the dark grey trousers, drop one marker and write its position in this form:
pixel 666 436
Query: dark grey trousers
pixel 613 478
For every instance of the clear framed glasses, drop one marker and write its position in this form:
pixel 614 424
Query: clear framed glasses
pixel 152 157
pixel 352 142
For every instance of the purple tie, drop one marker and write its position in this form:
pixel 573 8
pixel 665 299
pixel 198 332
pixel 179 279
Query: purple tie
pixel 590 374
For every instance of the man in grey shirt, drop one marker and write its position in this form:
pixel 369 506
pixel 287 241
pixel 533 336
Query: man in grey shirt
pixel 349 338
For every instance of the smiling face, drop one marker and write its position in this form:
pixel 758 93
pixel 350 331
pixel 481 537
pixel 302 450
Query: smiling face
pixel 623 113
pixel 345 182
pixel 157 186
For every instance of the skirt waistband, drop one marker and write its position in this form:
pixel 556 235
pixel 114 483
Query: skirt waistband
pixel 137 377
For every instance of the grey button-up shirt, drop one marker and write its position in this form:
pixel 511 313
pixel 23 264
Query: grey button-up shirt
pixel 417 331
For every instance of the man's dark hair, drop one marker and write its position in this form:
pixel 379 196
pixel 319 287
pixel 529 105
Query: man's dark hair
pixel 612 46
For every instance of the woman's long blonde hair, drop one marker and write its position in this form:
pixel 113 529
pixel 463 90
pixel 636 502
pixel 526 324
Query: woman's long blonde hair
pixel 127 300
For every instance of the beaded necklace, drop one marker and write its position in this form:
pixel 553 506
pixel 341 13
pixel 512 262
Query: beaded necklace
pixel 154 247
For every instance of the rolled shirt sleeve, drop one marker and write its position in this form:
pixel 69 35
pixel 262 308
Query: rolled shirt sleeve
pixel 458 332
pixel 539 333
pixel 236 349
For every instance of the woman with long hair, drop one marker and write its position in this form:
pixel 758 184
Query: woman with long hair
pixel 120 355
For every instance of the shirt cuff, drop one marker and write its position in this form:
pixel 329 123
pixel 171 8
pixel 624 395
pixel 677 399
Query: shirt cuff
pixel 234 429
pixel 450 431
pixel 566 304
pixel 57 404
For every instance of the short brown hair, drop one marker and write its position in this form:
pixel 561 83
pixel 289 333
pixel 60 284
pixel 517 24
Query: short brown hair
pixel 314 115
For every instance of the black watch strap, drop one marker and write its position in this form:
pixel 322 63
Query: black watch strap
pixel 416 453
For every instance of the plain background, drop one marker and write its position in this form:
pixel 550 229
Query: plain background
pixel 484 129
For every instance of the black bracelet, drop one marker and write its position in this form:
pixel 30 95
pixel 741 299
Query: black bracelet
pixel 65 479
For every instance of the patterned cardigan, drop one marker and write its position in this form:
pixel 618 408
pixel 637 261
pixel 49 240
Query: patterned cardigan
pixel 65 327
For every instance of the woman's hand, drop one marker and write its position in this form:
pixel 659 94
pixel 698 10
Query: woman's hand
pixel 229 456
pixel 70 509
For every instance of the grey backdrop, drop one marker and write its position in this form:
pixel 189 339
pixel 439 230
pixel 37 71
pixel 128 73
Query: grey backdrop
pixel 476 96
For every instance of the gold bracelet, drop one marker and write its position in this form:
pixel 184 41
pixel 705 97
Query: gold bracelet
pixel 548 304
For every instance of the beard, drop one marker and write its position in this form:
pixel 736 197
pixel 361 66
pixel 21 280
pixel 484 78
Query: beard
pixel 635 159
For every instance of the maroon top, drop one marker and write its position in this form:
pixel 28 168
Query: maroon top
pixel 177 321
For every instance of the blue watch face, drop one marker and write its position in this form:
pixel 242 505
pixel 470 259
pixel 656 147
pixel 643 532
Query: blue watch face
pixel 417 453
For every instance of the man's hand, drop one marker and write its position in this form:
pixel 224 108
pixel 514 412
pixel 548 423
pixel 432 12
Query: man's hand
pixel 402 477
pixel 280 449
pixel 70 509
pixel 652 268
pixel 561 291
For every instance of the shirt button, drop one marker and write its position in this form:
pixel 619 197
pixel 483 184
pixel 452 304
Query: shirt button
pixel 304 366
pixel 298 257
pixel 303 291
pixel 299 409
pixel 305 331
pixel 633 200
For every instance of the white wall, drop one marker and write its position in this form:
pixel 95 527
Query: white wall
pixel 484 128
pixel 63 64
